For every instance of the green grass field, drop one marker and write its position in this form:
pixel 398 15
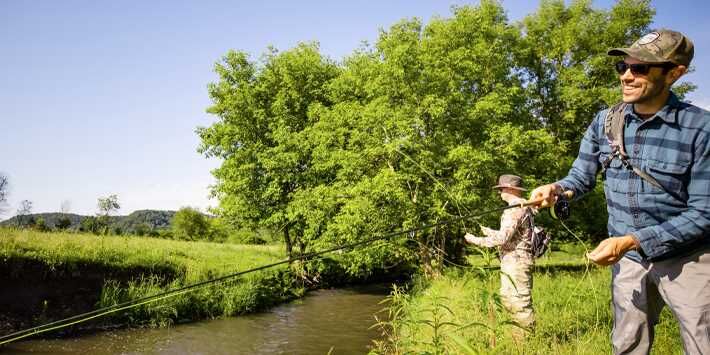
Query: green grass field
pixel 150 266
pixel 192 261
pixel 455 313
pixel 458 313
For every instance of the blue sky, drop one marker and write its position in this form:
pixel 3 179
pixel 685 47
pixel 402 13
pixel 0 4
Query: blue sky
pixel 102 97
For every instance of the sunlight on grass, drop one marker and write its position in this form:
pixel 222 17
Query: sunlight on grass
pixel 459 312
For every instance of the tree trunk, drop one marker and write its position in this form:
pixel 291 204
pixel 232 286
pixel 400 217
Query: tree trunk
pixel 287 240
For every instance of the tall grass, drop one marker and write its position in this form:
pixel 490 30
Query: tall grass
pixel 190 261
pixel 460 313
pixel 150 266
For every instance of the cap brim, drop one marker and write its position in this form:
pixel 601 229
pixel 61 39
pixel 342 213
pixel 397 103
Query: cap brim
pixel 637 53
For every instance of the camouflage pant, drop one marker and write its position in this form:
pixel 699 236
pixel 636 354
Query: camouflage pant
pixel 515 288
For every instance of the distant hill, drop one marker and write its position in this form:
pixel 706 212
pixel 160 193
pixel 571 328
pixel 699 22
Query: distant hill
pixel 147 219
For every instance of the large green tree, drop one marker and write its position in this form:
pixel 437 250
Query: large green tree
pixel 190 224
pixel 263 109
pixel 414 129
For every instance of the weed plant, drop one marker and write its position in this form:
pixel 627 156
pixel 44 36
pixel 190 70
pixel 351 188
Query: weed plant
pixel 460 313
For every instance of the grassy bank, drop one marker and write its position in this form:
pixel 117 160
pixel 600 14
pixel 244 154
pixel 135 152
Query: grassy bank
pixel 460 313
pixel 49 276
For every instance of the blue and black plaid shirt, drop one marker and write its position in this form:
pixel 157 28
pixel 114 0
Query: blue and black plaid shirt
pixel 674 147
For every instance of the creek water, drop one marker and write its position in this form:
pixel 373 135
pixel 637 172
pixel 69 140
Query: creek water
pixel 336 321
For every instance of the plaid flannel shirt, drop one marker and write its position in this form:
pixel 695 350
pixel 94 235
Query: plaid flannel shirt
pixel 673 146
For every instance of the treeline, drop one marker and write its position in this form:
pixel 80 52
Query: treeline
pixel 139 222
pixel 415 128
pixel 185 224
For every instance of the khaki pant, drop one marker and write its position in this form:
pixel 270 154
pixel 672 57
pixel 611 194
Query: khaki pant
pixel 640 290
pixel 515 289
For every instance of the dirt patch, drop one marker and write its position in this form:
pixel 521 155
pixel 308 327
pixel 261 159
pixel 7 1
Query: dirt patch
pixel 34 293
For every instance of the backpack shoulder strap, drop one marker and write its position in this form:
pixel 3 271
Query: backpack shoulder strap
pixel 614 128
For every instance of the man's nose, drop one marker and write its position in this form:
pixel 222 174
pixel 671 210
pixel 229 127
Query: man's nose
pixel 627 76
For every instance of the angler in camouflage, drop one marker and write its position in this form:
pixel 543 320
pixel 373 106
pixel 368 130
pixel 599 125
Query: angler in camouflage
pixel 513 240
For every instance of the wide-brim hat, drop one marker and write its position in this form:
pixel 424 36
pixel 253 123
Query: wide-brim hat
pixel 661 46
pixel 510 182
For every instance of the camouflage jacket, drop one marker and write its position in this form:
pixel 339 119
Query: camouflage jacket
pixel 514 234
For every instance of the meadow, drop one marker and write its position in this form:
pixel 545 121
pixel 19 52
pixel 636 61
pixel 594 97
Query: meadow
pixel 460 312
pixel 190 261
pixel 130 268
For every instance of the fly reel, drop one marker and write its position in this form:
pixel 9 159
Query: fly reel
pixel 561 209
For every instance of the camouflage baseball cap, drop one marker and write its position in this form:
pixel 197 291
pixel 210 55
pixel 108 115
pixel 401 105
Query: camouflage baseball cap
pixel 660 46
pixel 510 181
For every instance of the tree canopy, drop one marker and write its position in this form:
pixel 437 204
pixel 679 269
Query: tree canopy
pixel 414 129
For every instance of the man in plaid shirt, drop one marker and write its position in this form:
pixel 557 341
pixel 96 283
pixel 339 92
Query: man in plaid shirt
pixel 658 232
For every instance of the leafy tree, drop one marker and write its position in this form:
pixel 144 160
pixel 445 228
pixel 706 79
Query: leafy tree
pixel 413 130
pixel 569 75
pixel 143 229
pixel 40 225
pixel 92 225
pixel 190 224
pixel 4 185
pixel 23 212
pixel 263 111
pixel 107 206
pixel 63 223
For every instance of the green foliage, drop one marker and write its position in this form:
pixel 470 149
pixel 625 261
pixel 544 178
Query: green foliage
pixel 108 205
pixel 190 261
pixel 190 224
pixel 570 76
pixel 142 229
pixel 244 236
pixel 147 222
pixel 154 266
pixel 40 225
pixel 91 225
pixel 63 223
pixel 414 129
pixel 263 111
pixel 452 314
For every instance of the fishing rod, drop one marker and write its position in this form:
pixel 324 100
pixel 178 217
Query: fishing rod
pixel 560 210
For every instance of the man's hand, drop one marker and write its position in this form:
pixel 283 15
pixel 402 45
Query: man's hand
pixel 548 193
pixel 611 250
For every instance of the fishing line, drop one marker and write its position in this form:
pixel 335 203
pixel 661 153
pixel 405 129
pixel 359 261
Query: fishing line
pixel 83 317
pixel 585 275
pixel 436 181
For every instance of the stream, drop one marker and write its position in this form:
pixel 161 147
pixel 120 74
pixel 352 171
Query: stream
pixel 335 320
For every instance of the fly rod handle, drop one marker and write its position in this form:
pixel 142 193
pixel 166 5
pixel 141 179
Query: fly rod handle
pixel 567 194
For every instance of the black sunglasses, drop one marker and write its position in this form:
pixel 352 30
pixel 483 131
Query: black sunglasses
pixel 640 68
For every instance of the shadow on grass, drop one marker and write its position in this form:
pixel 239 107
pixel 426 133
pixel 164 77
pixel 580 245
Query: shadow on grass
pixel 560 268
pixel 549 269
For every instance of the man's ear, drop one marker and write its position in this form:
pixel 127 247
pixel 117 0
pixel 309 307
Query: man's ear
pixel 675 74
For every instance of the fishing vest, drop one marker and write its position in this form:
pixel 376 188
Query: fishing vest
pixel 539 237
pixel 614 130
